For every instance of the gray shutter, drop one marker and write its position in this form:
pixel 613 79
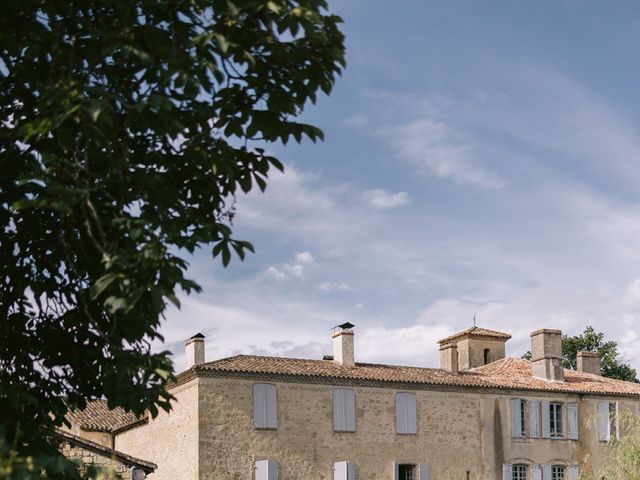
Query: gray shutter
pixel 272 406
pixel 259 406
pixel 546 419
pixel 423 471
pixel 351 471
pixel 572 415
pixel 617 420
pixel 266 469
pixel 546 472
pixel 507 471
pixel 534 418
pixel 339 422
pixel 536 472
pixel 516 418
pixel 340 471
pixel 412 421
pixel 349 411
pixel 406 413
pixel 604 433
pixel 395 473
pixel 573 472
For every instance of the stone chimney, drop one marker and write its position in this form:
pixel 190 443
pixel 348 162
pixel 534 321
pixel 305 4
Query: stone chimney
pixel 546 355
pixel 589 362
pixel 343 345
pixel 449 357
pixel 194 350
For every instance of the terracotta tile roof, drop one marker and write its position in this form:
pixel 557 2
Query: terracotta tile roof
pixel 508 373
pixel 476 331
pixel 98 417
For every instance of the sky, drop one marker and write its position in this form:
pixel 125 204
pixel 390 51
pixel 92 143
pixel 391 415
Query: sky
pixel 482 158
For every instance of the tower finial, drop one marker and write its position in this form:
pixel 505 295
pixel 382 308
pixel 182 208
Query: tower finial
pixel 474 319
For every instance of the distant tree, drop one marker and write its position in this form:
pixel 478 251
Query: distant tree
pixel 127 127
pixel 592 341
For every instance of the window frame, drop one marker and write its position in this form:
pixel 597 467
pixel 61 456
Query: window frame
pixel 556 420
pixel 556 469
pixel 518 470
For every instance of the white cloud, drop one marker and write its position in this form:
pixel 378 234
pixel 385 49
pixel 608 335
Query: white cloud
pixel 304 258
pixel 331 287
pixel 358 121
pixel 276 273
pixel 429 145
pixel 380 198
pixel 296 269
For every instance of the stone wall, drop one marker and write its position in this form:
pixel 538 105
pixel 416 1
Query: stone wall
pixel 170 440
pixel 460 434
pixel 89 457
pixel 306 446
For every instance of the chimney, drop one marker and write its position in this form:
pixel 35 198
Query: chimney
pixel 343 345
pixel 194 350
pixel 589 362
pixel 546 355
pixel 449 357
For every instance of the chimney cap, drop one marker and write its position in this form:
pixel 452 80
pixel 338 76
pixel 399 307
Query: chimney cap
pixel 197 336
pixel 345 326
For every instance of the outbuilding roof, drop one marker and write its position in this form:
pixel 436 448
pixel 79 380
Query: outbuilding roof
pixel 507 373
pixel 97 416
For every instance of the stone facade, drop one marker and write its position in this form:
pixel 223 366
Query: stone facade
pixel 171 439
pixel 465 421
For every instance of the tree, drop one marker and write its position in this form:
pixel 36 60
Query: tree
pixel 592 341
pixel 622 461
pixel 127 129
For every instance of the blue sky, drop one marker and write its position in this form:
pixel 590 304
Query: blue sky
pixel 480 158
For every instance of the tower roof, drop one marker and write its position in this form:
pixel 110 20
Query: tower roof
pixel 476 332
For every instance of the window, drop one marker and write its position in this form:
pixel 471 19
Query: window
pixel 487 356
pixel 344 410
pixel 409 471
pixel 608 421
pixel 265 409
pixel 518 417
pixel 406 413
pixel 519 472
pixel 556 423
pixel 344 471
pixel 555 419
pixel 266 469
pixel 557 472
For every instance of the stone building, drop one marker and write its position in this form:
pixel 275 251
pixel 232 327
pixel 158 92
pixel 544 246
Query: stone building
pixel 91 453
pixel 479 416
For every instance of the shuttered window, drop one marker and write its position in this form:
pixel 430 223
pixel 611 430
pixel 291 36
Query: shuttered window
pixel 266 469
pixel 555 419
pixel 519 472
pixel 608 421
pixel 344 471
pixel 265 409
pixel 344 410
pixel 557 472
pixel 407 471
pixel 406 413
